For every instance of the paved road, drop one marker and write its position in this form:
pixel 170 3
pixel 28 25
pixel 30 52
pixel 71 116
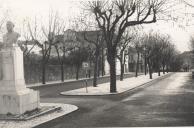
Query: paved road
pixel 168 102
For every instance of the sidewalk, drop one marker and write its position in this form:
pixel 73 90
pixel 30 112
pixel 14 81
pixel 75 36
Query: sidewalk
pixel 65 110
pixel 69 80
pixel 122 86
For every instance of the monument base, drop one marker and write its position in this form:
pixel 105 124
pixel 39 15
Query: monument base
pixel 20 102
pixel 15 98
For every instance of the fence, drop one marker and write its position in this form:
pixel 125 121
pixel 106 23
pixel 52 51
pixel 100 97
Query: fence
pixel 33 73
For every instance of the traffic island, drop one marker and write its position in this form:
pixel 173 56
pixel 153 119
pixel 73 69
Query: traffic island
pixel 122 86
pixel 46 113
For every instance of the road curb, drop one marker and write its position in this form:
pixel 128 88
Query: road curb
pixel 66 109
pixel 74 108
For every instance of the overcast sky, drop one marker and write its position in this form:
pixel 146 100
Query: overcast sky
pixel 22 9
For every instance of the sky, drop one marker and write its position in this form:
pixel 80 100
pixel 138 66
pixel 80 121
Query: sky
pixel 18 10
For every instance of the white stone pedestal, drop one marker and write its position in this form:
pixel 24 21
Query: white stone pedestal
pixel 15 98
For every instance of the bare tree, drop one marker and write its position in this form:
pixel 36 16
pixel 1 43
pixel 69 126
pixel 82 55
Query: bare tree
pixel 77 56
pixel 159 48
pixel 63 43
pixel 167 56
pixel 152 47
pixel 113 17
pixel 50 32
pixel 138 48
pixel 97 41
pixel 43 36
pixel 138 45
pixel 36 35
pixel 45 51
pixel 159 52
pixel 149 44
pixel 91 34
pixel 121 52
pixel 28 45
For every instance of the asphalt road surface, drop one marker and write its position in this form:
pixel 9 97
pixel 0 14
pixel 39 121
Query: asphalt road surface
pixel 166 102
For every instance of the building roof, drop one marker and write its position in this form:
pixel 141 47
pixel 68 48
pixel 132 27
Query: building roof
pixel 76 39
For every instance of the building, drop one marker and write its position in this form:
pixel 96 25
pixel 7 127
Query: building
pixel 188 60
pixel 132 60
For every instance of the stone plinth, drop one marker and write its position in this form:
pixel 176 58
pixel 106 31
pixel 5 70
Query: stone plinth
pixel 15 98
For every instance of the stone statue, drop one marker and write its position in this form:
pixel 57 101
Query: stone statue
pixel 9 41
pixel 11 37
pixel 15 98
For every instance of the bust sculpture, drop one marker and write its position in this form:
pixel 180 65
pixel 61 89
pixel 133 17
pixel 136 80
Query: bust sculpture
pixel 15 98
pixel 9 41
pixel 11 37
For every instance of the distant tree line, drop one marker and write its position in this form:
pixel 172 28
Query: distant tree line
pixel 160 54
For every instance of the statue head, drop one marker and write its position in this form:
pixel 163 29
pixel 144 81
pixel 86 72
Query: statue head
pixel 9 26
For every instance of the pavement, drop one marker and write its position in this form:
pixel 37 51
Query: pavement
pixel 164 102
pixel 122 86
pixel 65 109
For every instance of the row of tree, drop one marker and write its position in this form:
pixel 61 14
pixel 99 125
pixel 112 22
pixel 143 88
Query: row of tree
pixel 70 46
pixel 156 50
pixel 107 29
pixel 114 17
pixel 159 53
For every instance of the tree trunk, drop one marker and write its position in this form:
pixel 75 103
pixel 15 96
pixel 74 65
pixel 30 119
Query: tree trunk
pixel 163 69
pixel 122 72
pixel 61 63
pixel 150 72
pixel 62 72
pixel 113 76
pixel 103 72
pixel 77 72
pixel 121 66
pixel 145 65
pixel 150 69
pixel 137 65
pixel 89 71
pixel 112 63
pixel 95 75
pixel 98 72
pixel 159 72
pixel 43 73
pixel 167 70
pixel 96 69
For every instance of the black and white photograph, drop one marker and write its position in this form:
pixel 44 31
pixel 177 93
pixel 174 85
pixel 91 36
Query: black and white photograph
pixel 96 63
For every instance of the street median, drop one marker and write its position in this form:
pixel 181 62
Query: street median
pixel 122 86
